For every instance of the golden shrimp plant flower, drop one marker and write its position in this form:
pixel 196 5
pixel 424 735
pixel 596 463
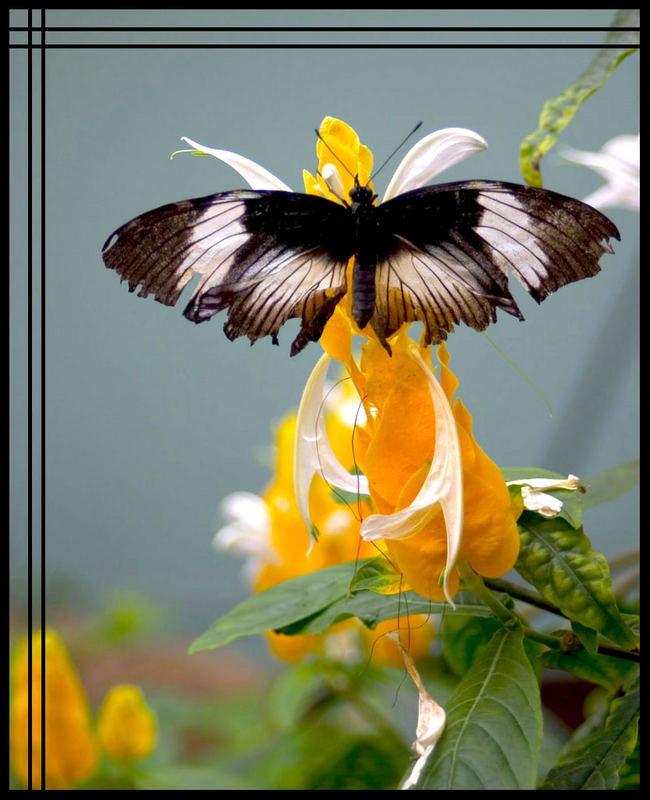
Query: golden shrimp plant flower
pixel 268 530
pixel 71 748
pixel 434 495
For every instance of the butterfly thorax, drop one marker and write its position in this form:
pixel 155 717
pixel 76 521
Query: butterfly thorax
pixel 366 235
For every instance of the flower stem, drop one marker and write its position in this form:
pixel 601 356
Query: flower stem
pixel 475 584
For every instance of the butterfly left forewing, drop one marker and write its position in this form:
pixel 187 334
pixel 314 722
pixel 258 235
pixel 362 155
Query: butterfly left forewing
pixel 453 246
pixel 267 256
pixel 159 252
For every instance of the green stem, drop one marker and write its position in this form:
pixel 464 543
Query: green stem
pixel 475 584
pixel 482 590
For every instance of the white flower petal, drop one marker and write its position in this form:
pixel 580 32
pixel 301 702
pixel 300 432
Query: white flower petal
pixel 247 531
pixel 443 484
pixel 256 176
pixel 571 482
pixel 330 175
pixel 432 155
pixel 618 162
pixel 247 508
pixel 313 453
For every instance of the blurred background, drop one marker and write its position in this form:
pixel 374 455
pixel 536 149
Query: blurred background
pixel 151 420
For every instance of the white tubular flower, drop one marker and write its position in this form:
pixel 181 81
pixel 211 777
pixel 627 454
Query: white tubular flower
pixel 255 175
pixel 247 531
pixel 618 162
pixel 536 499
pixel 432 155
pixel 313 452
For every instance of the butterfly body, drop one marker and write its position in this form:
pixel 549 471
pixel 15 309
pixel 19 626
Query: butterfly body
pixel 438 254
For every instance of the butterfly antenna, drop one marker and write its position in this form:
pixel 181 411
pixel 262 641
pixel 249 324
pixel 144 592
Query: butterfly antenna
pixel 334 154
pixel 401 144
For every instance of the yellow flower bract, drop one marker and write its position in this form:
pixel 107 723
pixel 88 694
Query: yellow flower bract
pixel 71 748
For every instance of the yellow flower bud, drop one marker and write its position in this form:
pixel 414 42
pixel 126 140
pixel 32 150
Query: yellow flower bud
pixel 125 725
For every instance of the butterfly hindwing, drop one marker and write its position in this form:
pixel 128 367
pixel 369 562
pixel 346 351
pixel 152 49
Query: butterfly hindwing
pixel 455 243
pixel 268 256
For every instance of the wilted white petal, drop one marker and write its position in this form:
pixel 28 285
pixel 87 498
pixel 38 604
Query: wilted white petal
pixel 431 720
pixel 544 504
pixel 618 162
pixel 256 176
pixel 443 484
pixel 313 453
pixel 535 499
pixel 432 155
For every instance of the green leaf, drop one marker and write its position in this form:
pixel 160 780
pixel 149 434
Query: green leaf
pixel 587 637
pixel 493 733
pixel 293 693
pixel 346 498
pixel 376 574
pixel 595 756
pixel 602 670
pixel 371 608
pixel 611 483
pixel 279 606
pixel 525 473
pixel 629 776
pixel 560 562
pixel 463 638
pixel 557 113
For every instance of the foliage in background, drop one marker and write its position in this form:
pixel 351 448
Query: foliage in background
pixel 558 113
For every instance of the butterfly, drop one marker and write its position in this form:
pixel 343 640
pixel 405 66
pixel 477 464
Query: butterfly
pixel 436 254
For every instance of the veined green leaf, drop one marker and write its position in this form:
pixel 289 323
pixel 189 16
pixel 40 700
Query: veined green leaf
pixel 279 606
pixel 377 574
pixel 603 670
pixel 560 563
pixel 310 604
pixel 462 639
pixel 587 637
pixel 371 608
pixel 593 761
pixel 493 734
pixel 557 113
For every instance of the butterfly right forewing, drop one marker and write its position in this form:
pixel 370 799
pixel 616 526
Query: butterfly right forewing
pixel 454 245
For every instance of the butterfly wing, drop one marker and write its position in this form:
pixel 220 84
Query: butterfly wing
pixel 452 246
pixel 267 256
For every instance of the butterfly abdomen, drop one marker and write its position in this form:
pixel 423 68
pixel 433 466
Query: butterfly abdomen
pixel 363 292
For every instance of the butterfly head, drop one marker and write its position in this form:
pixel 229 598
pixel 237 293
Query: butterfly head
pixel 362 195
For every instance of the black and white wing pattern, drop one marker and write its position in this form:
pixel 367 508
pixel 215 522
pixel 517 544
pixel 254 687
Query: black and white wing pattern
pixel 268 256
pixel 454 244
